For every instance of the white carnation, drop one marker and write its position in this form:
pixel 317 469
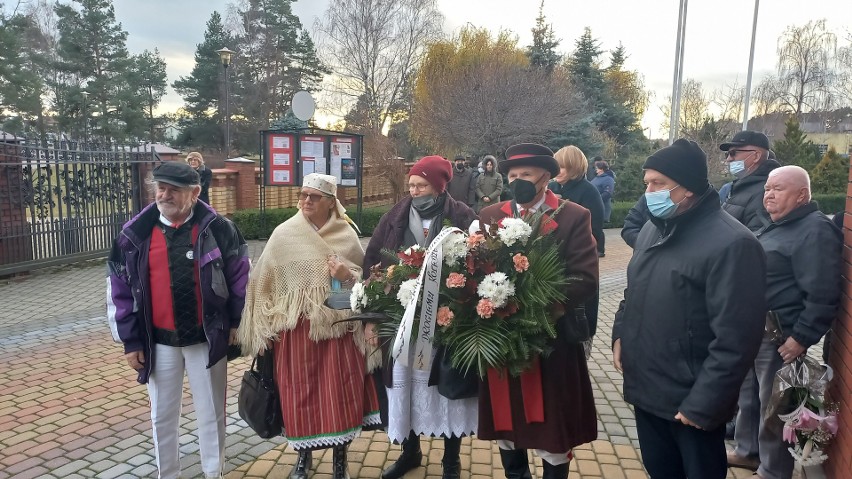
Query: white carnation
pixel 406 291
pixel 455 248
pixel 513 230
pixel 497 288
pixel 358 297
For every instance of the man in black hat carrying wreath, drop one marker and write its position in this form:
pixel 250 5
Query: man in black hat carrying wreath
pixel 555 412
pixel 686 333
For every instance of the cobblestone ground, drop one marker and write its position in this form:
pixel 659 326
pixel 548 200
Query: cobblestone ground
pixel 70 407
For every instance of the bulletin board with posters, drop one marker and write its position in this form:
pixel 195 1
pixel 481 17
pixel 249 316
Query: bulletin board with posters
pixel 288 156
pixel 280 161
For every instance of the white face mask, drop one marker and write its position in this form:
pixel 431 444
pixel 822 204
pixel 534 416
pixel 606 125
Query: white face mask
pixel 737 168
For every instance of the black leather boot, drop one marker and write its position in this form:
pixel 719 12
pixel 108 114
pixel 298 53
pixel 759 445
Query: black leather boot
pixel 450 462
pixel 340 469
pixel 515 463
pixel 554 472
pixel 302 466
pixel 410 458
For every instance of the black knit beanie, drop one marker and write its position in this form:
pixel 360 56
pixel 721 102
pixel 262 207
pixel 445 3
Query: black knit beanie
pixel 684 162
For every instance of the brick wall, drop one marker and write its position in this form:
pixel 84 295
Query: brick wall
pixel 840 452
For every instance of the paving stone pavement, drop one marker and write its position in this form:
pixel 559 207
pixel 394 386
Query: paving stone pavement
pixel 71 408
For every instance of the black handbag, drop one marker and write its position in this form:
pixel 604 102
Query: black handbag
pixel 258 404
pixel 452 383
pixel 573 327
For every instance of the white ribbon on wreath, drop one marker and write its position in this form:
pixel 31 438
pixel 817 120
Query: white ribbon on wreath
pixel 428 280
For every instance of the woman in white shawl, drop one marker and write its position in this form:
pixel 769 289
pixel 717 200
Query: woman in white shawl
pixel 321 362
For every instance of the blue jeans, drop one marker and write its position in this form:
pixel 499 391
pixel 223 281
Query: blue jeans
pixel 757 435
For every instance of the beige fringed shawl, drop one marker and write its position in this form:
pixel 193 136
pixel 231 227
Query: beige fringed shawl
pixel 291 281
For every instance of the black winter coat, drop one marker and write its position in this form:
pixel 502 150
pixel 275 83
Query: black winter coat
pixel 745 202
pixel 634 221
pixel 582 192
pixel 390 232
pixel 803 267
pixel 693 314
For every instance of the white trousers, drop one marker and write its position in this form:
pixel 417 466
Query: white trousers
pixel 553 458
pixel 165 388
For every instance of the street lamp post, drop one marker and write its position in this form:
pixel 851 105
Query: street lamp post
pixel 225 56
pixel 85 119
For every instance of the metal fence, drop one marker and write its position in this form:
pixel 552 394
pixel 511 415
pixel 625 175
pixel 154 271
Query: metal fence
pixel 64 202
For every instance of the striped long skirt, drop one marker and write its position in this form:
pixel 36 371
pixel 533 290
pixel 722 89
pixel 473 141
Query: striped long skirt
pixel 326 394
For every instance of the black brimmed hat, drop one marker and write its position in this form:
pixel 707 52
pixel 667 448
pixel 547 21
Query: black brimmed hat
pixel 747 138
pixel 176 173
pixel 529 154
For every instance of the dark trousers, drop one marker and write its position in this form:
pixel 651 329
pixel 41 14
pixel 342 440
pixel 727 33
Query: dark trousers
pixel 672 450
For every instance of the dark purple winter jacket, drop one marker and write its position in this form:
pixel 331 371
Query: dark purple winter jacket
pixel 224 267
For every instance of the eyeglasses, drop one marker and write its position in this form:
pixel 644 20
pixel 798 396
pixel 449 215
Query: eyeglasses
pixel 732 153
pixel 314 197
pixel 418 187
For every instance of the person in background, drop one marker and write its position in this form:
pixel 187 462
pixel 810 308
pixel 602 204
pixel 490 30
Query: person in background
pixel 463 185
pixel 803 287
pixel 489 185
pixel 571 184
pixel 634 221
pixel 175 295
pixel 686 333
pixel 196 161
pixel 604 181
pixel 747 156
pixel 321 360
pixel 413 407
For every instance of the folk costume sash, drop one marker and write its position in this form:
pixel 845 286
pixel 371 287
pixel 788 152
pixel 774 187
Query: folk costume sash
pixel 429 281
pixel 530 380
pixel 290 282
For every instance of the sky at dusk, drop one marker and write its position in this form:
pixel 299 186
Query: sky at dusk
pixel 718 33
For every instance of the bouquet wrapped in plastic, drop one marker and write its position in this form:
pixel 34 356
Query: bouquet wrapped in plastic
pixel 798 397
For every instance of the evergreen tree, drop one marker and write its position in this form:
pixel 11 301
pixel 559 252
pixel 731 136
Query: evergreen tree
pixel 831 174
pixel 21 87
pixel 202 91
pixel 93 50
pixel 149 82
pixel 542 53
pixel 795 148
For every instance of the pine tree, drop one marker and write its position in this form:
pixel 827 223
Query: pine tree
pixel 202 90
pixel 542 53
pixel 795 148
pixel 831 174
pixel 149 82
pixel 93 50
pixel 21 87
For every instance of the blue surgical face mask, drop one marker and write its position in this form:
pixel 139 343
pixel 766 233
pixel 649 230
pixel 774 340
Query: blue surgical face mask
pixel 736 167
pixel 660 203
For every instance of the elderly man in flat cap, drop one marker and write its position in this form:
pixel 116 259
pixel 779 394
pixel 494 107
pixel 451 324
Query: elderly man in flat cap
pixel 175 295
pixel 557 413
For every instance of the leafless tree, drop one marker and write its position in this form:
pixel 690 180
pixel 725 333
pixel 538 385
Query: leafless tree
pixel 805 72
pixel 373 46
pixel 843 86
pixel 729 101
pixel 493 105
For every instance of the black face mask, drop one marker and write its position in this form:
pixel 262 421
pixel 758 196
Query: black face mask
pixel 523 190
pixel 422 203
pixel 460 166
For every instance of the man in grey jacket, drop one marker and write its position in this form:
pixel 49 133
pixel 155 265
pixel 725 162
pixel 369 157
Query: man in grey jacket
pixel 685 334
pixel 462 187
pixel 803 287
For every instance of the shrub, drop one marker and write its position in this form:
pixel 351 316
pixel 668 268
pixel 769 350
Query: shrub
pixel 253 226
pixel 830 203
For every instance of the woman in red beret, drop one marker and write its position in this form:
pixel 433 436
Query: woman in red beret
pixel 410 407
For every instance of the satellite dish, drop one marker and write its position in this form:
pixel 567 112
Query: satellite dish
pixel 303 105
